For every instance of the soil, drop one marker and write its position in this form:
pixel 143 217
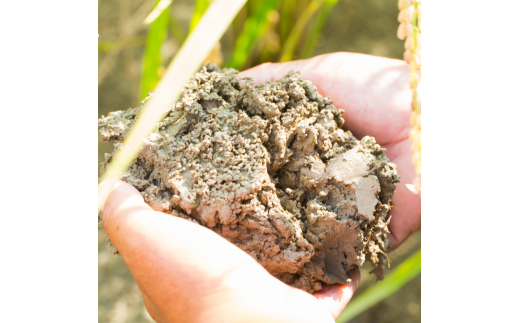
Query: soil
pixel 270 169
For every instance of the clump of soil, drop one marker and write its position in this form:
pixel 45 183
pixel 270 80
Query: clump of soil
pixel 270 169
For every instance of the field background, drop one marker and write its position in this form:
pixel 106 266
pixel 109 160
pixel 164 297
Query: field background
pixel 353 25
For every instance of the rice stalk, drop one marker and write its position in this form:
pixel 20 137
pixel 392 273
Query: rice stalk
pixel 157 11
pixel 254 28
pixel 296 32
pixel 185 63
pixel 269 45
pixel 410 31
pixel 200 8
pixel 316 28
pixel 407 270
pixel 215 56
pixel 287 19
pixel 152 54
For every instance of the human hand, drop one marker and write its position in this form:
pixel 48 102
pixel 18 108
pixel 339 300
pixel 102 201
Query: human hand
pixel 188 273
pixel 376 97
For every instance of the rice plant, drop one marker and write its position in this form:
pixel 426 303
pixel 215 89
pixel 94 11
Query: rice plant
pixel 410 29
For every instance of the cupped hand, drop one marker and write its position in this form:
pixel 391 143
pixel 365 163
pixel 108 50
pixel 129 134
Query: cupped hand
pixel 188 273
pixel 376 97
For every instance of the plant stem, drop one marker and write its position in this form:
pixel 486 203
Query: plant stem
pixel 407 270
pixel 293 38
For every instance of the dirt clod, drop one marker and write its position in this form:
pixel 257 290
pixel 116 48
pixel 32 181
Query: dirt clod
pixel 269 168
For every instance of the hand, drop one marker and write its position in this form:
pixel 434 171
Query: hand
pixel 376 97
pixel 188 273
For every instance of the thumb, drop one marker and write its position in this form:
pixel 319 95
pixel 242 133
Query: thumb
pixel 270 72
pixel 135 228
pixel 169 257
pixel 335 297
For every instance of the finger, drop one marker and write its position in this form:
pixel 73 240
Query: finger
pixel 270 72
pixel 260 298
pixel 151 308
pixel 169 257
pixel 104 190
pixel 335 297
pixel 129 221
pixel 406 210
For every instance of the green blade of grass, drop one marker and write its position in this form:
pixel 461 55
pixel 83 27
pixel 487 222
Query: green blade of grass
pixel 254 28
pixel 157 11
pixel 287 19
pixel 294 36
pixel 407 270
pixel 185 63
pixel 152 54
pixel 200 7
pixel 316 28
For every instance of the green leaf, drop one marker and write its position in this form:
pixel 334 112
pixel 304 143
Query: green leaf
pixel 296 32
pixel 407 270
pixel 157 11
pixel 286 21
pixel 316 28
pixel 254 28
pixel 185 63
pixel 152 54
pixel 198 12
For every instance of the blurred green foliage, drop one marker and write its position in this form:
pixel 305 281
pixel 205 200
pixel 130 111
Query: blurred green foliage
pixel 270 30
pixel 337 25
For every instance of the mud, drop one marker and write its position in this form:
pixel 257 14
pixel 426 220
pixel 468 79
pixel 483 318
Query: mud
pixel 270 169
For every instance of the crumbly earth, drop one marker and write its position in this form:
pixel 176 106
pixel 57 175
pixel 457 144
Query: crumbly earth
pixel 270 169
